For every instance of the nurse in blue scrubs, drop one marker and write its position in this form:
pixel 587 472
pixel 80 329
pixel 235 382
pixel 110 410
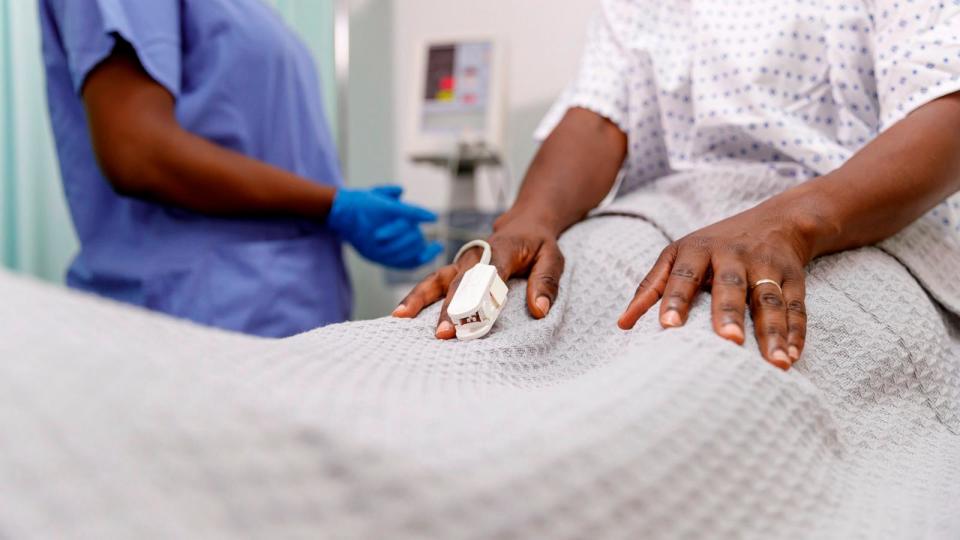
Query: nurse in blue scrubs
pixel 199 169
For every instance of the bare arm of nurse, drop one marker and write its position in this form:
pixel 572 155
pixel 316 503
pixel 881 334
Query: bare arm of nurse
pixel 145 153
pixel 573 171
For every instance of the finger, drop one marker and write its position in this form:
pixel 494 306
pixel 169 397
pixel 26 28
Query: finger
pixel 794 294
pixel 394 192
pixel 543 285
pixel 769 314
pixel 502 258
pixel 729 299
pixel 408 244
pixel 428 291
pixel 392 229
pixel 420 254
pixel 445 327
pixel 686 275
pixel 650 289
pixel 429 253
pixel 412 212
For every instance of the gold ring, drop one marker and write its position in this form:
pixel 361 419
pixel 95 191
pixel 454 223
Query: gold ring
pixel 769 282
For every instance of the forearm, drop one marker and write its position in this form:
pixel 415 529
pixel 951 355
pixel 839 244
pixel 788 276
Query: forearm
pixel 572 172
pixel 190 172
pixel 890 183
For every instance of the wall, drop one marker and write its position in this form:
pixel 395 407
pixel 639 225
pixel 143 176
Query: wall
pixel 371 144
pixel 544 44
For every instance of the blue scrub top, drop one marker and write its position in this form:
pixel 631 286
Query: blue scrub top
pixel 243 80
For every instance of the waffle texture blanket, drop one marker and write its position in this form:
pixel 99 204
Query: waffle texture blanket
pixel 117 423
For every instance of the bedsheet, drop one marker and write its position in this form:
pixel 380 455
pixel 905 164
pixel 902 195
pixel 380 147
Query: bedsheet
pixel 116 422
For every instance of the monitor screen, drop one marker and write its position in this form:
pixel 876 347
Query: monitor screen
pixel 457 87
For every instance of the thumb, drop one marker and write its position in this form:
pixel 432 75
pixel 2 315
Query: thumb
pixel 393 192
pixel 543 285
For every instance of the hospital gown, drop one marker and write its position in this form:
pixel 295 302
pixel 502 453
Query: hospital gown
pixel 800 85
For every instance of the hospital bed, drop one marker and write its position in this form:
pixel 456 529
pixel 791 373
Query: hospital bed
pixel 120 423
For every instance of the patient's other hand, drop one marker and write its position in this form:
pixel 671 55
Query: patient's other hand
pixel 519 248
pixel 755 258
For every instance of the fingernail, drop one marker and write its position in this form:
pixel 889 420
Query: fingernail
pixel 794 353
pixel 671 319
pixel 733 332
pixel 398 309
pixel 444 329
pixel 780 357
pixel 543 304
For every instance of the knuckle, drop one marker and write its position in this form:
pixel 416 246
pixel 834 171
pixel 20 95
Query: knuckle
pixel 762 256
pixel 446 273
pixel 701 243
pixel 556 259
pixel 771 300
pixel 797 329
pixel 739 249
pixel 524 250
pixel 727 307
pixel 678 298
pixel 683 271
pixel 732 279
pixel 646 284
pixel 669 253
pixel 549 280
pixel 797 307
pixel 429 283
pixel 772 331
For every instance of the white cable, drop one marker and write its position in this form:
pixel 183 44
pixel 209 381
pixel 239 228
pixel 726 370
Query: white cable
pixel 484 259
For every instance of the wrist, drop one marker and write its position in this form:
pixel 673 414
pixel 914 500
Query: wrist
pixel 334 214
pixel 531 217
pixel 812 220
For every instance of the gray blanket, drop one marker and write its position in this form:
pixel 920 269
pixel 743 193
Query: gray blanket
pixel 121 423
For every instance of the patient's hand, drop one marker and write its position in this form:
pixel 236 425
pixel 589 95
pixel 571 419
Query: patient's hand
pixel 768 242
pixel 519 248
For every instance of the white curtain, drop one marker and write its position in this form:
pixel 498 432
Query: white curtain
pixel 35 231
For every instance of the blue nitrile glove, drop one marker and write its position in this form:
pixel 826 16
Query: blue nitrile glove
pixel 382 228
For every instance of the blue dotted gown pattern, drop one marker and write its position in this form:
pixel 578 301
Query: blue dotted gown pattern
pixel 800 85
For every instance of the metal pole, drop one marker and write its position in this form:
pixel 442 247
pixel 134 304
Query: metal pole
pixel 341 60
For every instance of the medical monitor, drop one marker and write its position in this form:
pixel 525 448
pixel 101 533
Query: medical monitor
pixel 459 98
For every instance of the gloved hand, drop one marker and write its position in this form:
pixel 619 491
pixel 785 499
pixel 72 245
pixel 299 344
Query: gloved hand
pixel 382 228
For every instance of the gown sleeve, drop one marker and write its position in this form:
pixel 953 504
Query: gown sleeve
pixel 602 84
pixel 89 30
pixel 916 54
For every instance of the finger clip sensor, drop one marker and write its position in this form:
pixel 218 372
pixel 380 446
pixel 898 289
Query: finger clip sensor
pixel 479 298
